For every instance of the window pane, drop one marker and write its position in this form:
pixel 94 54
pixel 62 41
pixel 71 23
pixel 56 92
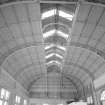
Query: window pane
pixel 17 99
pixel 2 93
pixel 7 95
pixel 103 95
pixel 1 102
pixel 5 103
pixel 25 102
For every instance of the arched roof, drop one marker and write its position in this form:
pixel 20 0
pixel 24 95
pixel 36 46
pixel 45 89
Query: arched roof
pixel 22 47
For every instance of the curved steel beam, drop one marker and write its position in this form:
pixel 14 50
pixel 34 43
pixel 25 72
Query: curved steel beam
pixel 87 71
pixel 22 46
pixel 22 70
pixel 76 81
pixel 85 46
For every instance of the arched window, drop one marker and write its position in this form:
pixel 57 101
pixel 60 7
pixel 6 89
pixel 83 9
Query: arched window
pixel 102 98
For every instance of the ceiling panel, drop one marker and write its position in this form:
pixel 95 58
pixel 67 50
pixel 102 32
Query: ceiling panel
pixel 95 14
pixel 84 10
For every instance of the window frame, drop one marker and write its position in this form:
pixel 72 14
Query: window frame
pixel 17 100
pixel 4 97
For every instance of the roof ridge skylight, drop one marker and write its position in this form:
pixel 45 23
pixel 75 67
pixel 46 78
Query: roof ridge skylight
pixel 60 13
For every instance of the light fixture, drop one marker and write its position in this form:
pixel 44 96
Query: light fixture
pixel 49 14
pixel 65 15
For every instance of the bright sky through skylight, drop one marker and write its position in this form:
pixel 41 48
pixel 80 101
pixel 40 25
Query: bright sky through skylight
pixel 60 13
pixel 49 13
pixel 49 55
pixel 53 61
pixel 62 34
pixel 49 33
pixel 61 47
pixel 59 56
pixel 49 46
pixel 54 54
pixel 58 46
pixel 65 15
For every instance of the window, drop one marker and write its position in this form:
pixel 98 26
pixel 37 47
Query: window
pixel 17 100
pixel 103 96
pixel 4 96
pixel 25 102
pixel 89 100
pixel 1 102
